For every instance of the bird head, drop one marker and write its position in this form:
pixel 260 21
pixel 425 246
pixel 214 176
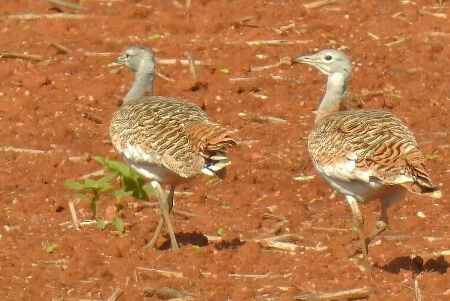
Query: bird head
pixel 328 61
pixel 137 58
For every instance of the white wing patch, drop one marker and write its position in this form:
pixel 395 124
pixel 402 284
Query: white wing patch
pixel 138 154
pixel 345 169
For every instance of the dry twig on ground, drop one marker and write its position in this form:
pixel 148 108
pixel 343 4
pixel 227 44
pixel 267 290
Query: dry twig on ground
pixel 23 56
pixel 95 119
pixel 166 293
pixel 21 150
pixel 162 272
pixel 350 294
pixel 116 295
pixel 47 16
pixel 74 216
pixel 262 119
pixel 61 48
pixel 319 4
pixel 192 66
pixel 431 14
pixel 66 4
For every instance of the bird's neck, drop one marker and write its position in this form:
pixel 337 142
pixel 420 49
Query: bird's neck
pixel 143 82
pixel 331 101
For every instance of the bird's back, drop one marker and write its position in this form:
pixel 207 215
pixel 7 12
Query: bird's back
pixel 368 149
pixel 166 137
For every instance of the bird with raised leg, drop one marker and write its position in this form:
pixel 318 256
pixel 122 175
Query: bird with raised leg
pixel 166 140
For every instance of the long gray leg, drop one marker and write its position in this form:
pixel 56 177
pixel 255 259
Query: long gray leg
pixel 165 205
pixel 381 224
pixel 359 220
pixel 152 243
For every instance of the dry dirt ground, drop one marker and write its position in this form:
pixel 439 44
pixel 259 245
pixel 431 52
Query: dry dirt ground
pixel 55 109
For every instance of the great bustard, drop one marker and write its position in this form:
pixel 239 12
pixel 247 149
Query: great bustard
pixel 363 154
pixel 166 140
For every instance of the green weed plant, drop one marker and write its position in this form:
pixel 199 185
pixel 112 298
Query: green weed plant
pixel 131 184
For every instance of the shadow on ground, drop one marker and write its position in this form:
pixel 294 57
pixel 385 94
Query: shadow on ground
pixel 416 264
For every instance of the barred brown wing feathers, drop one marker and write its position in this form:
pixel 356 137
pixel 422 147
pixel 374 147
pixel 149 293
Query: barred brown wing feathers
pixel 205 136
pixel 157 126
pixel 156 136
pixel 415 161
pixel 175 132
pixel 380 141
pixel 363 154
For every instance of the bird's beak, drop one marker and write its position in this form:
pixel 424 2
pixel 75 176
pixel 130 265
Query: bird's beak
pixel 114 64
pixel 304 59
pixel 121 59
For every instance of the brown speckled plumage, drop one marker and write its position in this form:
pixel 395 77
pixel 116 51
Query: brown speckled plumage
pixel 166 140
pixel 364 154
pixel 383 148
pixel 176 133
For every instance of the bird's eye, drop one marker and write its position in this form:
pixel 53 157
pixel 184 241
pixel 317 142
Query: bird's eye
pixel 328 57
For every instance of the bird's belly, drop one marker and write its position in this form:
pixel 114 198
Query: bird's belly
pixel 367 191
pixel 150 166
pixel 346 180
pixel 357 189
pixel 157 173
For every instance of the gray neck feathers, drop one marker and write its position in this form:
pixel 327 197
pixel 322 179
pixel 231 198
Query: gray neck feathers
pixel 336 88
pixel 143 81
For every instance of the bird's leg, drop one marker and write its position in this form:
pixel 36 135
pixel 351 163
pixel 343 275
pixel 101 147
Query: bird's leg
pixel 152 243
pixel 381 224
pixel 165 205
pixel 170 198
pixel 359 220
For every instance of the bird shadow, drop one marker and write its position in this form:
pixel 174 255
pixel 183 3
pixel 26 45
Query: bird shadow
pixel 191 238
pixel 416 265
pixel 229 245
pixel 198 239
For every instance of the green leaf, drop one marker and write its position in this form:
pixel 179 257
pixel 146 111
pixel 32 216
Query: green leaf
pixel 51 247
pixel 91 184
pixel 121 168
pixel 82 197
pixel 154 37
pixel 196 247
pixel 225 207
pixel 104 187
pixel 101 224
pixel 119 224
pixel 74 185
pixel 136 187
pixel 130 179
pixel 354 229
pixel 213 181
pixel 219 232
pixel 106 178
pixel 119 194
pixel 225 70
